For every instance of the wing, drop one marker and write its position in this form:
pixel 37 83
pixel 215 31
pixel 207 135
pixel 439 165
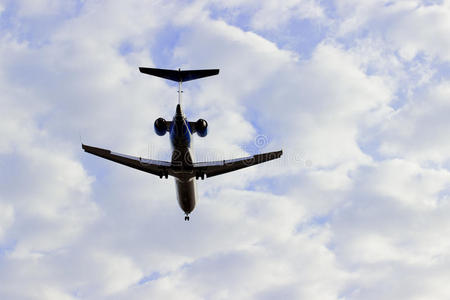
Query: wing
pixel 155 167
pixel 214 168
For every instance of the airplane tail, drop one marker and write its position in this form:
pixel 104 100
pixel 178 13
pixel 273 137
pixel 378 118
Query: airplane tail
pixel 178 75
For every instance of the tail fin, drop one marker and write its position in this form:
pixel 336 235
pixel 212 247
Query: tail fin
pixel 178 75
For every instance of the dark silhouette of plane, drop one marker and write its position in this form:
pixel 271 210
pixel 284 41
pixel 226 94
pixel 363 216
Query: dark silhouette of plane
pixel 181 130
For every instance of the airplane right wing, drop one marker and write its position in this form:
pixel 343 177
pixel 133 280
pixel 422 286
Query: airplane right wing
pixel 214 168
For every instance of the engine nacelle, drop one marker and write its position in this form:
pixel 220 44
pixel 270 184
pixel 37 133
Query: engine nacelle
pixel 160 126
pixel 201 127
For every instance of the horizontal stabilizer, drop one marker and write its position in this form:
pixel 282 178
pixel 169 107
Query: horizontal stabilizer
pixel 178 75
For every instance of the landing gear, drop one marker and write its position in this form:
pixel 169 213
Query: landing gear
pixel 186 218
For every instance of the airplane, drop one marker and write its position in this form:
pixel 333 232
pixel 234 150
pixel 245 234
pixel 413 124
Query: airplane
pixel 181 131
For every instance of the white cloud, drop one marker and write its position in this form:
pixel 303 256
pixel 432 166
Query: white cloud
pixel 418 130
pixel 273 13
pixel 268 15
pixel 399 208
pixel 6 218
pixel 370 210
pixel 43 7
pixel 421 31
pixel 326 120
pixel 412 27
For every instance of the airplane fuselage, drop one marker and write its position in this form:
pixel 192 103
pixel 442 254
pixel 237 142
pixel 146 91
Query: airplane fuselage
pixel 182 161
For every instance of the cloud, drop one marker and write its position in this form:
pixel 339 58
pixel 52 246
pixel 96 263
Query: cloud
pixel 6 218
pixel 364 218
pixel 417 131
pixel 412 27
pixel 43 7
pixel 399 208
pixel 268 14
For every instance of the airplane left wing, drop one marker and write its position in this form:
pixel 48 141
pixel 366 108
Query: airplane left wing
pixel 155 167
pixel 214 168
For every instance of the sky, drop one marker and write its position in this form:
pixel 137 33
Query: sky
pixel 356 93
